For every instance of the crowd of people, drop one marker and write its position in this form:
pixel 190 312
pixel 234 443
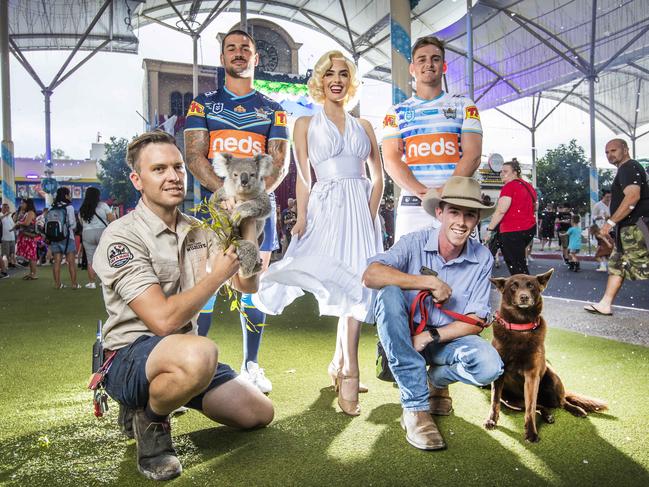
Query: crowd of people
pixel 27 243
pixel 160 271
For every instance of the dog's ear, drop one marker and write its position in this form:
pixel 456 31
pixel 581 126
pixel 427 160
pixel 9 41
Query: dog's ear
pixel 544 278
pixel 220 163
pixel 499 282
pixel 264 164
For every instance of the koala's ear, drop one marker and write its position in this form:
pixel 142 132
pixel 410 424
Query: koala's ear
pixel 264 164
pixel 220 164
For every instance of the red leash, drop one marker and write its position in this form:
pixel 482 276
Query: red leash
pixel 420 302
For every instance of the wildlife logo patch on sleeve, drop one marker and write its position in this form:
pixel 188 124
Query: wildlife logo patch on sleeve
pixel 119 255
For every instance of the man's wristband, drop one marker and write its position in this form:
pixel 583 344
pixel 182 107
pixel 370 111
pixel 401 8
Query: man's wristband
pixel 611 223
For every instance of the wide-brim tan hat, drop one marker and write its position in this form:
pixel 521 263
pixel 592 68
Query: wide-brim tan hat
pixel 458 191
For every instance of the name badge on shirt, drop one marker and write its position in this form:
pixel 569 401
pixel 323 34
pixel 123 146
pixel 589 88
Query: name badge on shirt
pixel 410 201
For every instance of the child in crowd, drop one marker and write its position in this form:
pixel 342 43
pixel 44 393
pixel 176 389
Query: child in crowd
pixel 574 243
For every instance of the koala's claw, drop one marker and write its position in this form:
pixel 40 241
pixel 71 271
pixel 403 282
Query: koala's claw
pixel 250 261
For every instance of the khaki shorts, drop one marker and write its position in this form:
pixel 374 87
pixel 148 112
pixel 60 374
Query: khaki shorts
pixel 633 262
pixel 563 239
pixel 8 248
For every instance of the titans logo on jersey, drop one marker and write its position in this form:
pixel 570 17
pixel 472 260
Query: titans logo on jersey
pixel 431 131
pixel 240 125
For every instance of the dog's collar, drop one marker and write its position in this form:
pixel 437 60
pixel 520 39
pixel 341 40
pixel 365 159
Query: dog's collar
pixel 517 326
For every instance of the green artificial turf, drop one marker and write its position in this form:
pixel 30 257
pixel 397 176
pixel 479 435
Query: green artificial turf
pixel 48 435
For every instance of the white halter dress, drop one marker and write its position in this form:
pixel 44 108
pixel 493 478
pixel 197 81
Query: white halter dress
pixel 330 258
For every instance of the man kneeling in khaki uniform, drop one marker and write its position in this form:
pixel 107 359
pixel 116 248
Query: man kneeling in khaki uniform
pixel 157 271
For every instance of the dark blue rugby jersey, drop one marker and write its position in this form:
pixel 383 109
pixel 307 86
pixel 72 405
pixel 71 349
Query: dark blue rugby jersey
pixel 240 125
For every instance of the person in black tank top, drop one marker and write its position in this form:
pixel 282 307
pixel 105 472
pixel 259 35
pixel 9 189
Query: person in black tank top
pixel 630 220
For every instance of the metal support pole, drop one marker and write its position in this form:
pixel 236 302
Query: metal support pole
pixel 47 93
pixel 195 37
pixel 536 104
pixel 469 51
pixel 635 119
pixel 533 132
pixel 8 168
pixel 356 111
pixel 243 7
pixel 400 55
pixel 594 183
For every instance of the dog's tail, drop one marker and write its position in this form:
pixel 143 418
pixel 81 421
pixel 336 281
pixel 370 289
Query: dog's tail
pixel 588 404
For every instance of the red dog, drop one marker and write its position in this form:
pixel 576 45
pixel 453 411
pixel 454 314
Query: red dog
pixel 528 382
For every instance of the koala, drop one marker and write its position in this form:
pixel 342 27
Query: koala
pixel 244 181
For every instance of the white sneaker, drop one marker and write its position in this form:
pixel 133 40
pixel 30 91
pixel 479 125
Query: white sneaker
pixel 602 268
pixel 179 411
pixel 256 376
pixel 91 285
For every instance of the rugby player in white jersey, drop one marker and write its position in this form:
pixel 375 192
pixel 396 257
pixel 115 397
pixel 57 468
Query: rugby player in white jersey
pixel 429 137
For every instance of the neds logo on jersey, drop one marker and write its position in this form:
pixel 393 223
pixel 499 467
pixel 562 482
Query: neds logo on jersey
pixel 239 143
pixel 432 148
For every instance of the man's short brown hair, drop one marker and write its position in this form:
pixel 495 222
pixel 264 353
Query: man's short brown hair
pixel 427 41
pixel 141 141
pixel 240 33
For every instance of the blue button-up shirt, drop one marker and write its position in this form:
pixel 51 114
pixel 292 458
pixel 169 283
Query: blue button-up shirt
pixel 467 275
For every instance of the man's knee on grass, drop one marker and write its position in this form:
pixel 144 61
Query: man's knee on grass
pixel 191 359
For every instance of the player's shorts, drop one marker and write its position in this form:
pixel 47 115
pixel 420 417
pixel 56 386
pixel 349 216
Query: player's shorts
pixel 126 380
pixel 271 242
pixel 633 261
pixel 412 217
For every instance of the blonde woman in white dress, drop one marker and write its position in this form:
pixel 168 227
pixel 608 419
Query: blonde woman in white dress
pixel 337 226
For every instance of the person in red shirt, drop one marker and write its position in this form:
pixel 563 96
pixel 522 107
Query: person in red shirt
pixel 515 217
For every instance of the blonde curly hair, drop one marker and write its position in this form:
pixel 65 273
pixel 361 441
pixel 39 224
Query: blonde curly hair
pixel 315 84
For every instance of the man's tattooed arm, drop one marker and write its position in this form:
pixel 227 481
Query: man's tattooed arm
pixel 197 144
pixel 278 150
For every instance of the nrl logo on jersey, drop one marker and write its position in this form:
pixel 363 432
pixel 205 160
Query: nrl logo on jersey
pixel 215 107
pixel 409 115
pixel 450 112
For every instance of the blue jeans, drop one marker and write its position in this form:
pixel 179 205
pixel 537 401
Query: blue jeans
pixel 468 359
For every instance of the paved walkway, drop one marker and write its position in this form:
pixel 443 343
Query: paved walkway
pixel 568 292
pixel 626 325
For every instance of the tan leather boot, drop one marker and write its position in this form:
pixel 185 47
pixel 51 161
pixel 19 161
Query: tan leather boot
pixel 440 401
pixel 421 430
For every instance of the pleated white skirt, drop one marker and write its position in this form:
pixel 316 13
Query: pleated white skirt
pixel 330 258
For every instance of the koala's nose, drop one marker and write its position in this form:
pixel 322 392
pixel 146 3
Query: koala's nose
pixel 244 179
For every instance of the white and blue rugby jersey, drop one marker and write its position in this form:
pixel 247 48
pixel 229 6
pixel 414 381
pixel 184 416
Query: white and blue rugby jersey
pixel 431 131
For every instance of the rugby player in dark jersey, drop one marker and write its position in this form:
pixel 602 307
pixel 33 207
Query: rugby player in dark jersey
pixel 239 120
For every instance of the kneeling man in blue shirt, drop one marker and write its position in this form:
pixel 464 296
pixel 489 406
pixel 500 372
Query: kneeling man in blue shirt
pixel 450 348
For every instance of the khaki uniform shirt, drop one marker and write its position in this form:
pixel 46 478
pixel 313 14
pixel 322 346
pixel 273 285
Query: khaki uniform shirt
pixel 138 251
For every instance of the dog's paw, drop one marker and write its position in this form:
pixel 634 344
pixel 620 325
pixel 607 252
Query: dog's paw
pixel 548 418
pixel 490 424
pixel 532 437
